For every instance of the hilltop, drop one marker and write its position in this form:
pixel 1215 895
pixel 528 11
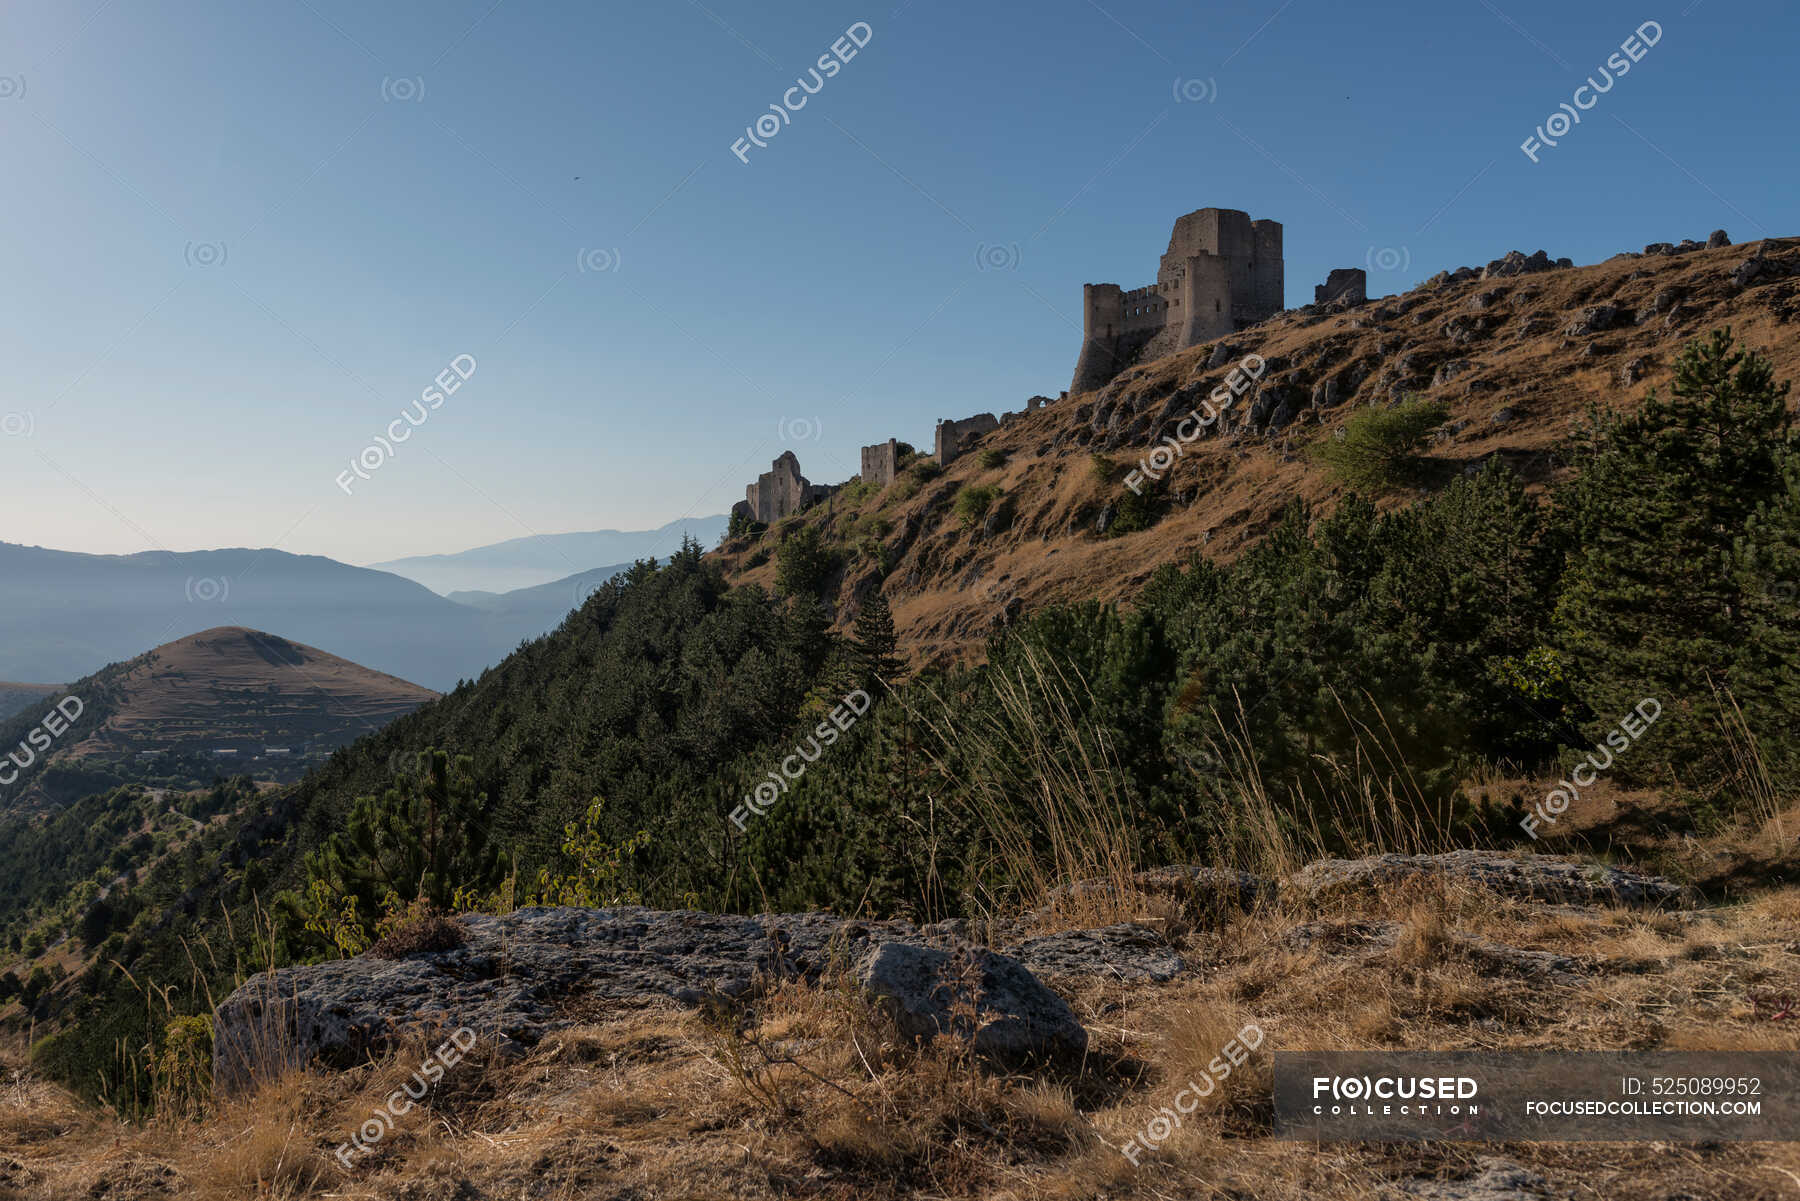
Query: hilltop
pixel 242 689
pixel 1516 351
pixel 274 705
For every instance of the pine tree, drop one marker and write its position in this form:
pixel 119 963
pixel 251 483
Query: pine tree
pixel 1764 681
pixel 873 644
pixel 1654 605
pixel 424 839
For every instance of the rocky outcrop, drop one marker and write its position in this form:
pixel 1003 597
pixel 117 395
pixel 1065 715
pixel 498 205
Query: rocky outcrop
pixel 534 971
pixel 1521 878
pixel 518 977
pixel 971 994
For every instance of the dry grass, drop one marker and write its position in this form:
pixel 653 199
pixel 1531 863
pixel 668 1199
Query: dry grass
pixel 807 1090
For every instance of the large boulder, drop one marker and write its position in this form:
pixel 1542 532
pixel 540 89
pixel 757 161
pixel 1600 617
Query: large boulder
pixel 523 975
pixel 972 994
pixel 1522 878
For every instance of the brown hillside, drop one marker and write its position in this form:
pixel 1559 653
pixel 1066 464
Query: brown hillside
pixel 233 687
pixel 1514 356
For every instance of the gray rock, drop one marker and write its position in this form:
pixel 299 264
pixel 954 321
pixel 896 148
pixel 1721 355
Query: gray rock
pixel 1524 878
pixel 1339 938
pixel 1221 354
pixel 1633 371
pixel 1517 263
pixel 1598 318
pixel 1131 952
pixel 1759 267
pixel 533 971
pixel 1717 239
pixel 1006 1013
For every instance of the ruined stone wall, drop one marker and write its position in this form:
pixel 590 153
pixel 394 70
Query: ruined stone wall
pixel 779 492
pixel 881 462
pixel 953 437
pixel 1349 284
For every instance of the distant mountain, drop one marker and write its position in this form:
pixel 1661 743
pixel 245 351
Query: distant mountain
pixel 541 609
pixel 14 697
pixel 253 703
pixel 548 558
pixel 64 615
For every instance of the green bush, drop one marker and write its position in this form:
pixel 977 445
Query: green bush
pixel 1139 510
pixel 1103 468
pixel 991 458
pixel 1378 449
pixel 973 502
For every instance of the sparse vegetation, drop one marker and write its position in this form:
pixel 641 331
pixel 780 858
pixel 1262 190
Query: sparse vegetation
pixel 1377 449
pixel 991 458
pixel 973 502
pixel 1139 509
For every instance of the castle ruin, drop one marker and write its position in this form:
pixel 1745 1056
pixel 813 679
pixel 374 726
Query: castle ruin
pixel 953 437
pixel 1348 284
pixel 780 492
pixel 881 462
pixel 1221 273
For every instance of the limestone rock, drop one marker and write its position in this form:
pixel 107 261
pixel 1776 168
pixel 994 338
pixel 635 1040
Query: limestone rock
pixel 1014 1016
pixel 1524 878
pixel 1598 318
pixel 533 971
pixel 1515 262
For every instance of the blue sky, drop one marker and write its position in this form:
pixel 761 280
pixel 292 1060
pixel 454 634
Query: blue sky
pixel 238 240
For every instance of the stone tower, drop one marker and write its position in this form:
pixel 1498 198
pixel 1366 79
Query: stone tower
pixel 1221 273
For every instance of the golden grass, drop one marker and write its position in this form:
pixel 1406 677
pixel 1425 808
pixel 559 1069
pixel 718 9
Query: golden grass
pixel 807 1090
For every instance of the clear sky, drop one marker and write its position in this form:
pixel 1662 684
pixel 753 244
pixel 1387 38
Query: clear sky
pixel 239 239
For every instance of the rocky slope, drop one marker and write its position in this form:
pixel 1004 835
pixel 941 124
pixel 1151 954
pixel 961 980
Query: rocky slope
pixel 1516 350
pixel 514 980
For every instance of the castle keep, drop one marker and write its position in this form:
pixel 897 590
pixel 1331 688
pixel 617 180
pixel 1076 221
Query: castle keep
pixel 780 492
pixel 1222 272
